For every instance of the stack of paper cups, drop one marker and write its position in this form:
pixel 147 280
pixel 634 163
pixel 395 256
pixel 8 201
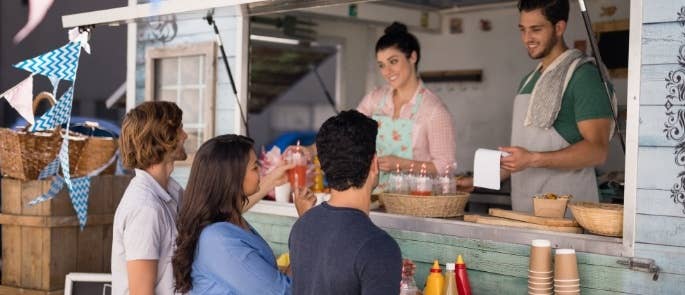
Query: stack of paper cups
pixel 540 270
pixel 566 279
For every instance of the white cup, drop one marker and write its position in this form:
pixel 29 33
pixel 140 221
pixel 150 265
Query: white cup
pixel 282 193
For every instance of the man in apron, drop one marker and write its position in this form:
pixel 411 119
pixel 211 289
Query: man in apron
pixel 562 117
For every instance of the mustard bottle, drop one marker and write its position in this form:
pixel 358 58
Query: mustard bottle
pixel 435 282
pixel 317 187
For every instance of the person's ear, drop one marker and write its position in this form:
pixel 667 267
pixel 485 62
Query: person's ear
pixel 560 28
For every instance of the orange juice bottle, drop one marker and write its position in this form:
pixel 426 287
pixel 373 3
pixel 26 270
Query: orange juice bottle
pixel 435 282
pixel 298 175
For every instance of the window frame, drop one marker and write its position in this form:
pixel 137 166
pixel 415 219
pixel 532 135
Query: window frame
pixel 206 49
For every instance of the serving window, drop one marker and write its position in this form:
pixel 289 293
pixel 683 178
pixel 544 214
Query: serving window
pixel 464 63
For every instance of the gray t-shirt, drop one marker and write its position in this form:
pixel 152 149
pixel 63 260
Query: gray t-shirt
pixel 335 250
pixel 145 229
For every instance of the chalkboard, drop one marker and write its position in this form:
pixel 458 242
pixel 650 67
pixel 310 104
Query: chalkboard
pixel 88 284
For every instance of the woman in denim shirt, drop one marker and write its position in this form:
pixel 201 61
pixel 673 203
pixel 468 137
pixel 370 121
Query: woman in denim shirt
pixel 218 252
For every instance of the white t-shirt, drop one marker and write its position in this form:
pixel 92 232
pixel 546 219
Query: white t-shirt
pixel 145 228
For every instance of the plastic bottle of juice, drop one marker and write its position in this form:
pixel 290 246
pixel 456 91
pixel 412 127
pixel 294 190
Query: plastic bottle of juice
pixel 317 187
pixel 462 277
pixel 298 175
pixel 450 280
pixel 435 282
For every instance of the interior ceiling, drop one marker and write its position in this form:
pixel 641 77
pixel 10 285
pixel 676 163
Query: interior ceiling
pixel 442 4
pixel 275 68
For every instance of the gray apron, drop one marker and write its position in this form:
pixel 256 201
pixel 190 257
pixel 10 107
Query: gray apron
pixel 581 183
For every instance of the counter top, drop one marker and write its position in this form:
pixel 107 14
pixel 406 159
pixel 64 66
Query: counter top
pixel 454 227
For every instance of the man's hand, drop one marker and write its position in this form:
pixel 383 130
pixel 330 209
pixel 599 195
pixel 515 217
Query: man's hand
pixel 518 159
pixel 304 200
pixel 465 184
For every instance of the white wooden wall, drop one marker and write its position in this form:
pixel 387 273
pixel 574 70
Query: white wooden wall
pixel 192 28
pixel 660 221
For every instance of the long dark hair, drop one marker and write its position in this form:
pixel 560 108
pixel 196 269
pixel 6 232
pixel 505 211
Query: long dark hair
pixel 214 193
pixel 397 35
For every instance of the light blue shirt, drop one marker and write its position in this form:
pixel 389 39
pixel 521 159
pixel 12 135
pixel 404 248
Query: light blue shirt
pixel 232 260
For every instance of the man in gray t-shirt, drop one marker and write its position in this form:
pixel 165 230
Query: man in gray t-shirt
pixel 334 247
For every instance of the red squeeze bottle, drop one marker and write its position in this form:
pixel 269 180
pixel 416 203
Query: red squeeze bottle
pixel 463 286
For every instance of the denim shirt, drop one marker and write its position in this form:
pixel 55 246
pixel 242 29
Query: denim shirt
pixel 232 260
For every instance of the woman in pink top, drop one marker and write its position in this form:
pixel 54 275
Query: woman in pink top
pixel 415 128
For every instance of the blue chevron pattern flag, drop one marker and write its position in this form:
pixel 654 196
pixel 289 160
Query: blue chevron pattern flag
pixel 79 198
pixel 64 159
pixel 60 63
pixel 55 188
pixel 49 170
pixel 57 115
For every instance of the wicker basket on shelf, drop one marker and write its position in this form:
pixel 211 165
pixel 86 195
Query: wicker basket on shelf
pixel 425 206
pixel 598 218
pixel 24 154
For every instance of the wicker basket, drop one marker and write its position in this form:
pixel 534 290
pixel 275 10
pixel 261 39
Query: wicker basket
pixel 598 218
pixel 429 206
pixel 23 154
pixel 95 153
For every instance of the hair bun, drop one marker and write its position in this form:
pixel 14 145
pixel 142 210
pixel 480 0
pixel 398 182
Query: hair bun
pixel 396 28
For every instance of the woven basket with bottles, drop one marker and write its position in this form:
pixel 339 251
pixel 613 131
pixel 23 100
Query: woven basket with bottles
pixel 425 206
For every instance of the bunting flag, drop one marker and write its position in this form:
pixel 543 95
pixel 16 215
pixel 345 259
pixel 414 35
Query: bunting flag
pixel 55 188
pixel 57 115
pixel 49 170
pixel 60 63
pixel 78 193
pixel 20 97
pixel 64 159
pixel 55 83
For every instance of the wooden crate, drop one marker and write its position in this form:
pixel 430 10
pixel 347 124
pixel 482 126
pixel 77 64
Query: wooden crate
pixel 43 243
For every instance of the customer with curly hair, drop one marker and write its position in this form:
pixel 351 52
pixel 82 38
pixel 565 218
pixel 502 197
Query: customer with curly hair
pixel 144 227
pixel 218 252
pixel 335 248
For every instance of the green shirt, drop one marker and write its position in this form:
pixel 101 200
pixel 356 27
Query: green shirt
pixel 583 99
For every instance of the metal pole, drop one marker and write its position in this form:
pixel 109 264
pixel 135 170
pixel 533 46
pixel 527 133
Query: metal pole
pixel 603 75
pixel 210 21
pixel 323 86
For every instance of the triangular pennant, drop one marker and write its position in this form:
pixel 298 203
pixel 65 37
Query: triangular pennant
pixel 49 170
pixel 55 82
pixel 20 97
pixel 64 159
pixel 78 193
pixel 57 115
pixel 55 188
pixel 61 62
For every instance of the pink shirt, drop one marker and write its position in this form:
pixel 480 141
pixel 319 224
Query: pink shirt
pixel 433 138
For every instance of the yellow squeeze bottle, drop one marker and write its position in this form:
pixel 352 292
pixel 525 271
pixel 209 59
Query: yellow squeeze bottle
pixel 435 282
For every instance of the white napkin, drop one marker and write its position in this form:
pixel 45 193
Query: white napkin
pixel 486 168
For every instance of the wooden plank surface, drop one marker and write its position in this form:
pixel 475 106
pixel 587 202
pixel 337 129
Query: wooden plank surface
pixel 514 223
pixel 11 196
pixel 64 251
pixel 653 83
pixel 660 230
pixel 658 202
pixel 520 216
pixel 54 221
pixel 652 124
pixel 670 259
pixel 29 191
pixel 661 43
pixel 661 10
pixel 10 290
pixel 90 250
pixel 658 169
pixel 11 255
pixel 31 257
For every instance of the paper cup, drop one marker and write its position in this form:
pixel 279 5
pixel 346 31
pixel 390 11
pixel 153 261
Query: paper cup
pixel 535 289
pixel 540 285
pixel 540 279
pixel 565 265
pixel 541 256
pixel 282 193
pixel 567 288
pixel 567 292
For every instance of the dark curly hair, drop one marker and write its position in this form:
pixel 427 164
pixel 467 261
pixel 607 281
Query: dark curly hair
pixel 149 132
pixel 397 35
pixel 346 145
pixel 553 10
pixel 214 194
